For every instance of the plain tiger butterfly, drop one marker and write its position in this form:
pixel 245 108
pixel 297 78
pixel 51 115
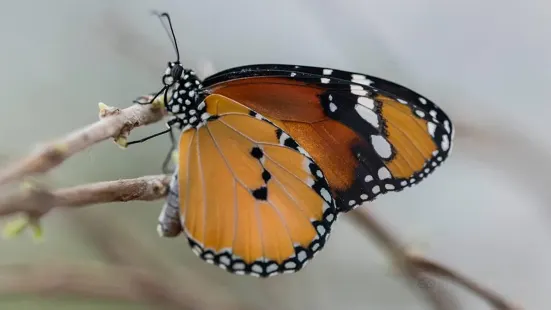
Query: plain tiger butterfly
pixel 270 154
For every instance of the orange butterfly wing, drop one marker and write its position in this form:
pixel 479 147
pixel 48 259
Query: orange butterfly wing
pixel 249 198
pixel 368 135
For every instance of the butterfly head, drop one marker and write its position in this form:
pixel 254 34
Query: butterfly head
pixel 181 85
pixel 172 73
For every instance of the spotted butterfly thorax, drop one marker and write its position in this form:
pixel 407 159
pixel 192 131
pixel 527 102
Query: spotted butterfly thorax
pixel 270 154
pixel 183 103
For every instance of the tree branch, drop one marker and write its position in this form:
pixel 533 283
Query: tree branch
pixel 114 123
pixel 39 201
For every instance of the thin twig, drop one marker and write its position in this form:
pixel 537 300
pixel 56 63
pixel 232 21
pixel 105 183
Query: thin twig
pixel 413 265
pixel 113 123
pixel 437 269
pixel 39 201
pixel 413 275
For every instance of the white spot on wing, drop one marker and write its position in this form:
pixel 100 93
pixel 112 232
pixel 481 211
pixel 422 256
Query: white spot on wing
pixel 447 126
pixel 368 178
pixel 321 230
pixel 366 102
pixel 302 256
pixel 445 145
pixel 368 115
pixel 357 90
pixel 332 107
pixel 423 100
pixel 271 268
pixel 238 266
pixel 384 173
pixel 432 127
pixel 224 260
pixel 381 146
pixel 325 80
pixel 420 113
pixel 361 79
pixel 327 71
pixel 325 194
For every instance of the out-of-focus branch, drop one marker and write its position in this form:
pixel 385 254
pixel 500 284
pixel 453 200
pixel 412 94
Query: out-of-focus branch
pixel 413 275
pixel 114 123
pixel 437 269
pixel 118 282
pixel 416 268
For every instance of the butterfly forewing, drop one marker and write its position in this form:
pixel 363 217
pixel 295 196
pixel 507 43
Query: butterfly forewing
pixel 369 136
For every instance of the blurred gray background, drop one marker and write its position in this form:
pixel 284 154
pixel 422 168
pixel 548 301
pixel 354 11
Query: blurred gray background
pixel 485 213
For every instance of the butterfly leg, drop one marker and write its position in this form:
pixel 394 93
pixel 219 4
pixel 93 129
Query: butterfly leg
pixel 148 99
pixel 145 99
pixel 169 130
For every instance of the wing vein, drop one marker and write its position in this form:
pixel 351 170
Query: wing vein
pixel 187 176
pixel 204 189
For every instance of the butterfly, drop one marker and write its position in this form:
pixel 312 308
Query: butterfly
pixel 269 156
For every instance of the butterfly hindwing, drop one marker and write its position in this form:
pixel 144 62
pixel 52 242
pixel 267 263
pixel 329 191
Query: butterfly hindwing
pixel 369 136
pixel 251 200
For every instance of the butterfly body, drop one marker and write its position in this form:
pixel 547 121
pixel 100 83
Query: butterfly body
pixel 271 154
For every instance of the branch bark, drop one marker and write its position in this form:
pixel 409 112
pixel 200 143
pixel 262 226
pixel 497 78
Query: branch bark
pixel 114 123
pixel 39 201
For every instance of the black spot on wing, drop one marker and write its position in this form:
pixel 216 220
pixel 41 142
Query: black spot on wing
pixel 266 176
pixel 260 193
pixel 256 152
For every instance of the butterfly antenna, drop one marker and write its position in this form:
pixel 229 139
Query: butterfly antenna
pixel 169 31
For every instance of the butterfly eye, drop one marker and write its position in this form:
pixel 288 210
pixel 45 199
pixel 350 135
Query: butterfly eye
pixel 176 72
